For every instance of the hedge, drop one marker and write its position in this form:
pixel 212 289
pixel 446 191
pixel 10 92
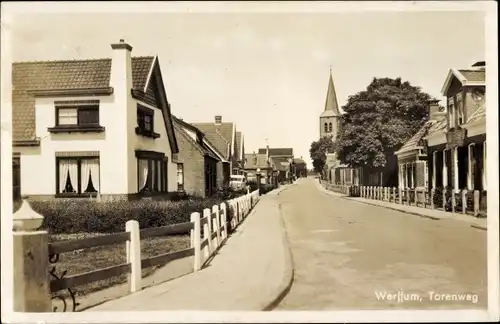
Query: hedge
pixel 76 216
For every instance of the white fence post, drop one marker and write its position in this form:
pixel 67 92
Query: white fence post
pixel 223 217
pixel 133 247
pixel 215 210
pixel 195 219
pixel 207 233
pixel 464 201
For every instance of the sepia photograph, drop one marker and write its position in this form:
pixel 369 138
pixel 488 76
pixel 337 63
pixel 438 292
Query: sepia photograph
pixel 321 161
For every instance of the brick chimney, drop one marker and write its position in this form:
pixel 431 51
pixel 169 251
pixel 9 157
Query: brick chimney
pixel 436 112
pixel 218 120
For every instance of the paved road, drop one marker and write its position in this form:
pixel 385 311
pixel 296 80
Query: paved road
pixel 347 255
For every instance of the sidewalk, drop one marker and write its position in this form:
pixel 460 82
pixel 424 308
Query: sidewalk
pixel 480 223
pixel 249 273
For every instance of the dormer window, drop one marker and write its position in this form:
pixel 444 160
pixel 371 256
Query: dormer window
pixel 76 115
pixel 145 122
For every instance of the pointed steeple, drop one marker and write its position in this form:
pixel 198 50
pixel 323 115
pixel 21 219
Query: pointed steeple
pixel 331 105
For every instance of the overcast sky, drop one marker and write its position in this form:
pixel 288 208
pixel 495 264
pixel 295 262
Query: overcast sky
pixel 267 72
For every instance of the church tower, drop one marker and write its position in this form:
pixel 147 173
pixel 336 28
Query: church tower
pixel 329 120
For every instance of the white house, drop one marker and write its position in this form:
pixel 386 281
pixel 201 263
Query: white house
pixel 83 127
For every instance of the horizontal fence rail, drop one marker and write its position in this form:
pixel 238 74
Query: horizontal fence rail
pixel 85 243
pixel 207 233
pixel 472 202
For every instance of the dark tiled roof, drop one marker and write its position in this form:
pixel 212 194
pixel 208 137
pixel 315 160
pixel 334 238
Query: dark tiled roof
pixel 51 75
pixel 187 139
pixel 415 141
pixel 474 75
pixel 299 161
pixel 254 161
pixel 277 151
pixel 219 135
pixel 281 163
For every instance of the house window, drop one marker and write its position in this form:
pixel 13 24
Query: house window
pixel 451 112
pixel 460 109
pixel 151 173
pixel 77 113
pixel 77 175
pixel 16 178
pixel 145 118
pixel 180 177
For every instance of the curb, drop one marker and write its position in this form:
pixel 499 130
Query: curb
pixel 479 227
pixel 286 283
pixel 393 208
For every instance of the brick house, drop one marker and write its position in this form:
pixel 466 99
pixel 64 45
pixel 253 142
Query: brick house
pixel 223 136
pixel 457 149
pixel 197 162
pixel 98 127
pixel 412 156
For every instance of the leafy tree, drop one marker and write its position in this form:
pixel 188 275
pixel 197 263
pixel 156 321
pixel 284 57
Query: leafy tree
pixel 318 152
pixel 379 120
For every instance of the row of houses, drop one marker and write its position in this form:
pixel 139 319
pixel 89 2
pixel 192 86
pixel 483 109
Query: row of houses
pixel 274 165
pixel 448 152
pixel 104 127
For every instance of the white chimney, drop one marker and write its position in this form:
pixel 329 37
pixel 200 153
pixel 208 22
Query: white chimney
pixel 121 69
pixel 218 120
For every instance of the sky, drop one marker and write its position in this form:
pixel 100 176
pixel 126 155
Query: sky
pixel 266 72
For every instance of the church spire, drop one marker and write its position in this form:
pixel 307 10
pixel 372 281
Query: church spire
pixel 331 104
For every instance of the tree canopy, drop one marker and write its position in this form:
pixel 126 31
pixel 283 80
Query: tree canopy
pixel 379 120
pixel 318 152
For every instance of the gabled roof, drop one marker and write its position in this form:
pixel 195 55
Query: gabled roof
pixel 238 145
pixel 331 104
pixel 201 147
pixel 415 142
pixel 281 163
pixel 277 151
pixel 255 161
pixel 220 135
pixel 299 161
pixel 467 77
pixel 91 74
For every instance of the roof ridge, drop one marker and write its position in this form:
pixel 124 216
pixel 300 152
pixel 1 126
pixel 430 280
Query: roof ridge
pixel 78 60
pixel 62 61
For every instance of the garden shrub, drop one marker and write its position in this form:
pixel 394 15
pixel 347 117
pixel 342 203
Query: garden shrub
pixel 227 193
pixel 75 216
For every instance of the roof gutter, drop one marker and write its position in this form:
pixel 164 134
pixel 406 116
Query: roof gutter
pixel 106 91
pixel 27 143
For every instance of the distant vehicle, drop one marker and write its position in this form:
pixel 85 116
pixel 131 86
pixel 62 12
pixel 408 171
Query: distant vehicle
pixel 238 182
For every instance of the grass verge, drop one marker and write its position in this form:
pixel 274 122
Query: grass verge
pixel 81 261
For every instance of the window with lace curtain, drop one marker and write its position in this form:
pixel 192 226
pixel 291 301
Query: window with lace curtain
pixel 180 177
pixel 77 176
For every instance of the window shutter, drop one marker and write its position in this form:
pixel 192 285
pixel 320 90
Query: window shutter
pixel 420 174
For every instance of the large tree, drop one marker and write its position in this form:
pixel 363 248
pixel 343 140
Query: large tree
pixel 318 152
pixel 379 120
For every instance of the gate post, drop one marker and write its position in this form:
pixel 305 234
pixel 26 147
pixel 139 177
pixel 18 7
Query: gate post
pixel 31 262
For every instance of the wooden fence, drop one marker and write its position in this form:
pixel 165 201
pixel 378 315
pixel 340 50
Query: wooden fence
pixel 208 231
pixel 472 202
